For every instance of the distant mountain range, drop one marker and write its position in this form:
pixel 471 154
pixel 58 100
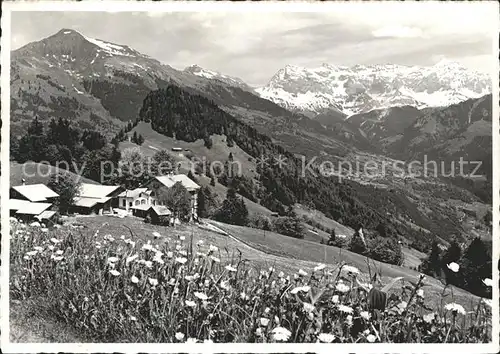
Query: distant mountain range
pixel 100 85
pixel 360 89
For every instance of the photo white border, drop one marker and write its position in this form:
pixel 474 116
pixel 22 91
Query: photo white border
pixel 206 6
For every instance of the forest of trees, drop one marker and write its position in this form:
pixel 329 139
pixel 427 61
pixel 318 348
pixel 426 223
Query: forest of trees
pixel 61 144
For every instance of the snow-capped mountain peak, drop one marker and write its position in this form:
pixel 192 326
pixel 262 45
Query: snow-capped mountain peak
pixel 210 74
pixel 362 88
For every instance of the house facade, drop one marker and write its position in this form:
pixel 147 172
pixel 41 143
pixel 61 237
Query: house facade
pixel 141 199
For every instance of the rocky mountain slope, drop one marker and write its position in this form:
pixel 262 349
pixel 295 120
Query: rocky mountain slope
pixel 361 88
pixel 101 85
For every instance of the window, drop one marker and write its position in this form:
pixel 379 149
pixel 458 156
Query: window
pixel 143 201
pixel 124 204
pixel 154 202
pixel 137 202
pixel 153 193
pixel 130 204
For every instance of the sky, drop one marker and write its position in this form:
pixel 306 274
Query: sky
pixel 255 45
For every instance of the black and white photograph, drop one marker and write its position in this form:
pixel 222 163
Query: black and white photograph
pixel 250 177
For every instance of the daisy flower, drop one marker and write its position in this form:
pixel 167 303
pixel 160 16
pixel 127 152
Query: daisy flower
pixel 302 273
pixel 365 315
pixel 179 336
pixel 454 267
pixel 455 308
pixel 181 260
pixel 319 267
pixel 345 309
pixel 326 337
pixel 153 282
pixel 230 268
pixel 350 269
pixel 281 334
pixel 190 303
pixel 201 296
pixel 134 279
pixel 114 272
pixel 304 289
pixel 371 338
pixel 341 287
pixel 264 321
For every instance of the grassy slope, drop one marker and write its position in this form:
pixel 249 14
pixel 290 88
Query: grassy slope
pixel 302 250
pixel 281 252
pixel 34 173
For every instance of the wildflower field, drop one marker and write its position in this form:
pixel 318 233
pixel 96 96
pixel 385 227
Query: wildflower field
pixel 145 284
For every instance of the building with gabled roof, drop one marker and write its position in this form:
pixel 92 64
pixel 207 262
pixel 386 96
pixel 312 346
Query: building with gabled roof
pixel 33 193
pixel 96 199
pixel 140 199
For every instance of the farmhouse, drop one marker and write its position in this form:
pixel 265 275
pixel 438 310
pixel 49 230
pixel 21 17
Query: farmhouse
pixel 34 201
pixel 96 199
pixel 141 199
pixel 129 198
pixel 158 214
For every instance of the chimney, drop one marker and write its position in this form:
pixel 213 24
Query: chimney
pixel 23 181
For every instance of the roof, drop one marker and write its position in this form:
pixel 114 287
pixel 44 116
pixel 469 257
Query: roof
pixel 169 180
pixel 47 214
pixel 27 207
pixel 161 210
pixel 96 190
pixel 35 192
pixel 141 207
pixel 89 202
pixel 132 193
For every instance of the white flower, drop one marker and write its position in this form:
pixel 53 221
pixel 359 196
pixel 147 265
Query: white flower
pixel 264 321
pixel 341 287
pixel 345 309
pixel 147 247
pixel 225 285
pixel 201 296
pixel 153 282
pixel 112 260
pixel 31 253
pixel 455 308
pixel 133 318
pixel 371 338
pixel 38 248
pixel 191 340
pixel 182 238
pixel 244 296
pixel 156 234
pixel 420 293
pixel 365 315
pixel 134 279
pixel 305 289
pixel 302 273
pixel 281 274
pixel 213 248
pixel 488 282
pixel 335 299
pixel 44 229
pixel 157 258
pixel 57 259
pixel 171 281
pixel 190 303
pixel 258 332
pixel 114 272
pixel 348 320
pixel 54 240
pixel 215 259
pixel 267 310
pixel 326 337
pixel 181 260
pixel 429 317
pixel 230 268
pixel 281 334
pixel 308 307
pixel 319 267
pixel 131 258
pixel 179 336
pixel 350 269
pixel 200 242
pixel 453 267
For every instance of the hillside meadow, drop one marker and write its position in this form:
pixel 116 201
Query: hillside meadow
pixel 121 280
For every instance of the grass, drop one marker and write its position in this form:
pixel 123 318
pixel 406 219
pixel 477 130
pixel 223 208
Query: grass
pixel 304 250
pixel 176 285
pixel 34 172
pixel 120 280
